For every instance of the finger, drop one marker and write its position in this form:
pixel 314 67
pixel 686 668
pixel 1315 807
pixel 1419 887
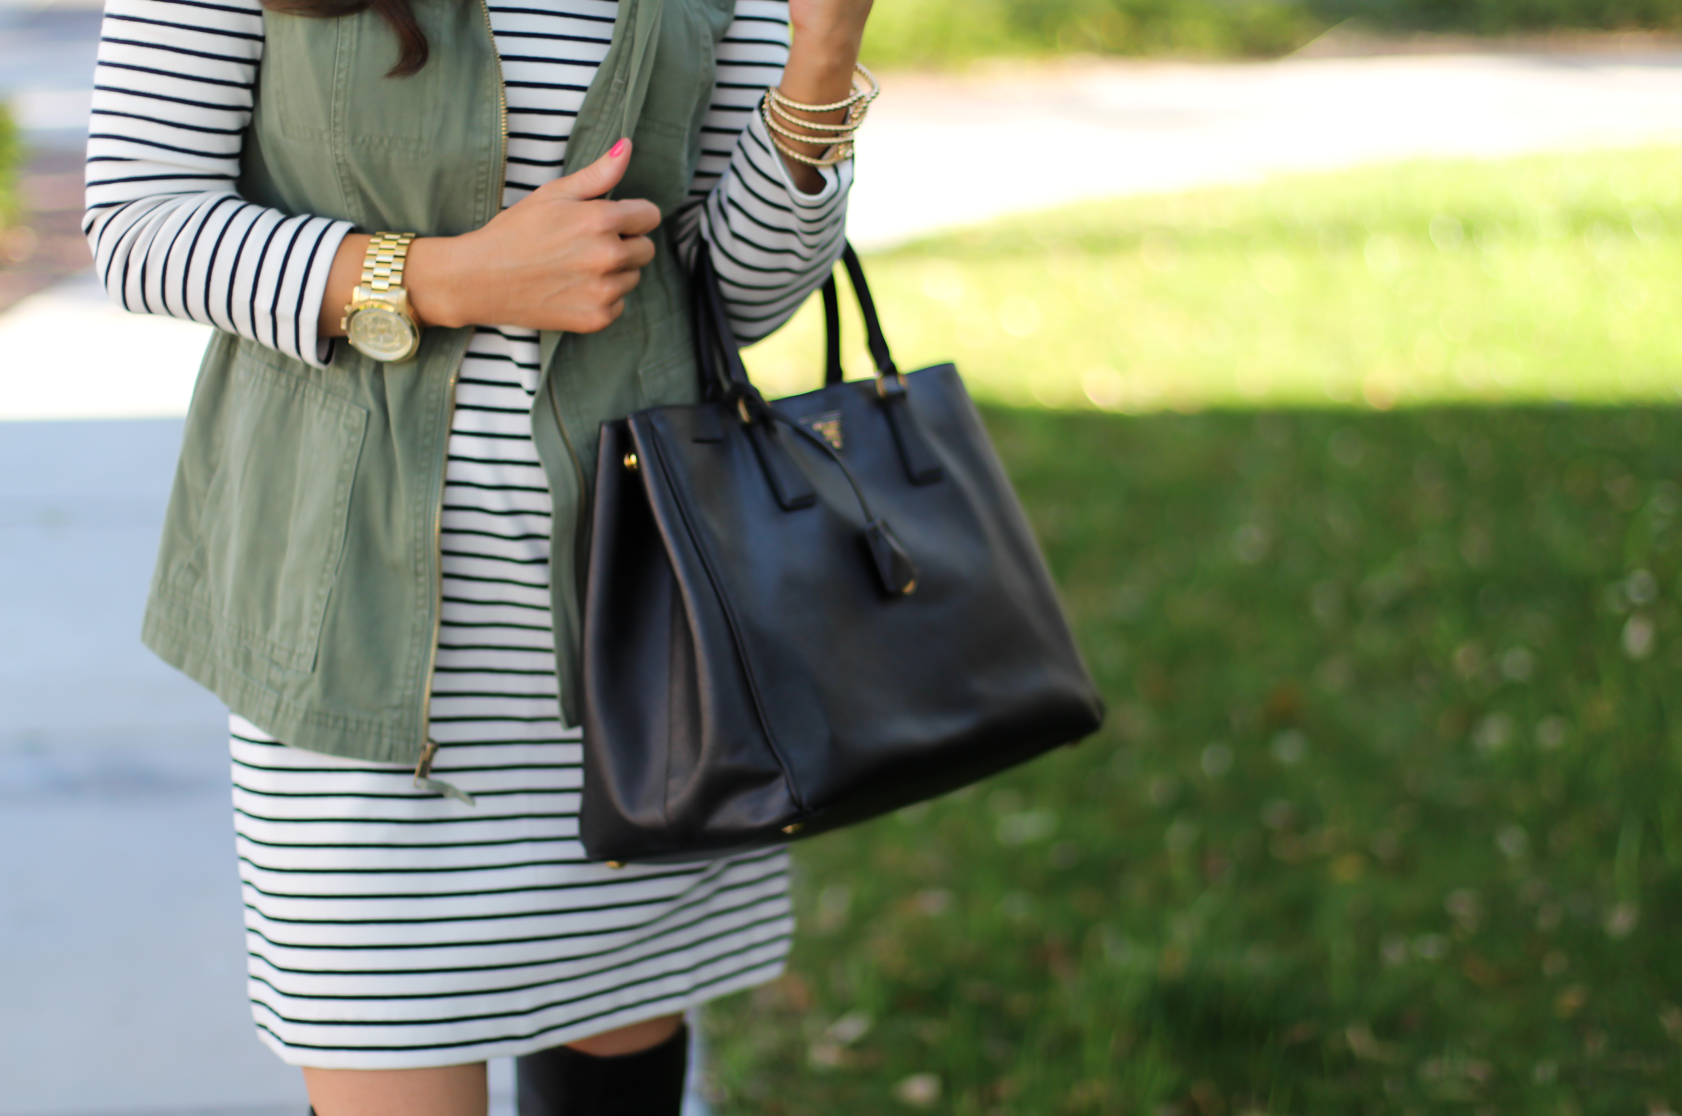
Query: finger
pixel 597 178
pixel 636 251
pixel 611 288
pixel 635 217
pixel 618 254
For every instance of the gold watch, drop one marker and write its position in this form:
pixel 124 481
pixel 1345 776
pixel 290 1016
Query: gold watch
pixel 378 321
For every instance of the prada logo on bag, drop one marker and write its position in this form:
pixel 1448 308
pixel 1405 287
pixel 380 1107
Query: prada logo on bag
pixel 826 426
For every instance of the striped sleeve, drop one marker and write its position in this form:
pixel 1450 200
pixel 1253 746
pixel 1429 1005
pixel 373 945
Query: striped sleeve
pixel 173 92
pixel 772 244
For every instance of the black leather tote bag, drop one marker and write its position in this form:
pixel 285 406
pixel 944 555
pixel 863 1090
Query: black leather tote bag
pixel 803 614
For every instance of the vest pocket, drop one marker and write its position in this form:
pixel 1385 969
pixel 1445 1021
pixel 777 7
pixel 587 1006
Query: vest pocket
pixel 326 77
pixel 275 513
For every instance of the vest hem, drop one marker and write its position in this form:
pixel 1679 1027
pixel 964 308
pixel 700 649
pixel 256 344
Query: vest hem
pixel 189 645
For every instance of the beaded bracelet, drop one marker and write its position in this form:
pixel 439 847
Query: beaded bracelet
pixel 868 93
pixel 840 148
pixel 840 141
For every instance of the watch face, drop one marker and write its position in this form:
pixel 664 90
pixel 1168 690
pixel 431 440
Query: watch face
pixel 381 333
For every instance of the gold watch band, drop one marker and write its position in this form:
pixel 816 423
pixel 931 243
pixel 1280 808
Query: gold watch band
pixel 382 267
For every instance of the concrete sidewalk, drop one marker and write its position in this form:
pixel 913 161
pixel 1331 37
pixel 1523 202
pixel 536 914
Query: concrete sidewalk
pixel 938 153
pixel 121 950
pixel 121 956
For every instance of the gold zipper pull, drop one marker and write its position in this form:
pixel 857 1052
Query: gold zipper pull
pixel 424 767
pixel 425 782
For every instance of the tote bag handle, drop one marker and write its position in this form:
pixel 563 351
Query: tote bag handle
pixel 874 337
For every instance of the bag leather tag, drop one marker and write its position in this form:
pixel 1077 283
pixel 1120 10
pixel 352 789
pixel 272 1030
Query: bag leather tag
pixel 893 565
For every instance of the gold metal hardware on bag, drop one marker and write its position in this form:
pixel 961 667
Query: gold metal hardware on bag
pixel 826 426
pixel 631 462
pixel 616 864
pixel 792 829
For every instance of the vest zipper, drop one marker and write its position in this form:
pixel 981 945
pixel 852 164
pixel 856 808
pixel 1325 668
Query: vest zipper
pixel 429 746
pixel 586 509
pixel 501 98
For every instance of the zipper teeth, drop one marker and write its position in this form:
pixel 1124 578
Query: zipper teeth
pixel 428 747
pixel 501 95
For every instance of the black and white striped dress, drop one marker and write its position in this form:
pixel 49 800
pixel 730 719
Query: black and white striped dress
pixel 390 928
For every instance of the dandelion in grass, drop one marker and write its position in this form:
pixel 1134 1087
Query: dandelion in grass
pixel 1513 842
pixel 1015 906
pixel 1621 920
pixel 933 902
pixel 1181 836
pixel 1465 906
pixel 1026 828
pixel 1493 733
pixel 1430 947
pixel 920 1090
pixel 1250 543
pixel 1162 790
pixel 1639 636
pixel 1279 815
pixel 1217 760
pixel 1290 747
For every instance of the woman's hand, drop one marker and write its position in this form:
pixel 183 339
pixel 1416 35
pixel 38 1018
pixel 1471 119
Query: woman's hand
pixel 561 258
pixel 823 49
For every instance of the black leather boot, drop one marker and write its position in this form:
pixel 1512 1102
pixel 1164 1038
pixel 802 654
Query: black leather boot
pixel 561 1081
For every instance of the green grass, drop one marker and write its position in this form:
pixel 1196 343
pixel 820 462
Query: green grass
pixel 1387 816
pixel 947 32
pixel 11 167
pixel 1537 279
pixel 1498 16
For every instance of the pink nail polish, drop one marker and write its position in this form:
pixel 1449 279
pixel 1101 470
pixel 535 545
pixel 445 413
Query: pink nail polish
pixel 617 149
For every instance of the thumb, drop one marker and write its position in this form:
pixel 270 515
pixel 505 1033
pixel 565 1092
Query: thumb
pixel 597 178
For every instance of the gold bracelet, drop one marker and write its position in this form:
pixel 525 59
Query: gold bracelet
pixel 831 157
pixel 840 136
pixel 872 87
pixel 837 152
pixel 828 159
pixel 800 137
pixel 848 125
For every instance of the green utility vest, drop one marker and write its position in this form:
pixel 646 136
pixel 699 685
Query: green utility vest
pixel 298 576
